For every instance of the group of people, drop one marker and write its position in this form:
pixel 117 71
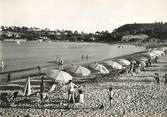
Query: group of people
pixel 75 93
pixel 84 57
pixel 136 66
pixel 157 78
pixel 60 62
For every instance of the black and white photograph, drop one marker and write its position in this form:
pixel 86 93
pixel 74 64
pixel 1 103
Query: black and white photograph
pixel 83 58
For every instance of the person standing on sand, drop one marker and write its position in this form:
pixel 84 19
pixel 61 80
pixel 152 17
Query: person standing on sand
pixel 156 77
pixel 9 77
pixel 71 92
pixel 39 70
pixel 138 68
pixel 131 69
pixel 156 59
pixel 111 93
pixel 61 64
pixel 42 88
pixel 58 60
pixel 2 66
pixel 165 79
pixel 165 52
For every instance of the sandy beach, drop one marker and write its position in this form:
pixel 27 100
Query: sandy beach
pixel 134 96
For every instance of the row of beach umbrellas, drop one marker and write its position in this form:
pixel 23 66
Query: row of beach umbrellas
pixel 62 76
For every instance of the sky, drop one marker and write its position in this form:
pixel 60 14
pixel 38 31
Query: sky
pixel 81 15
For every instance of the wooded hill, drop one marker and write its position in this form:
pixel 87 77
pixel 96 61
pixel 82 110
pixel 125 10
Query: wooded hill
pixel 153 30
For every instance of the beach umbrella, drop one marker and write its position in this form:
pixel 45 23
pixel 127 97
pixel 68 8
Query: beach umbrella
pixel 77 69
pixel 100 68
pixel 113 64
pixel 123 62
pixel 59 76
pixel 27 88
pixel 158 52
pixel 152 55
pixel 83 71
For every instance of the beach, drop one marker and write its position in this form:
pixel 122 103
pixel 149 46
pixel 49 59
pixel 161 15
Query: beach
pixel 136 95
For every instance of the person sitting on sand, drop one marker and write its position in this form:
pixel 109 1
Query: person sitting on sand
pixel 42 88
pixel 71 91
pixel 156 77
pixel 149 62
pixel 81 94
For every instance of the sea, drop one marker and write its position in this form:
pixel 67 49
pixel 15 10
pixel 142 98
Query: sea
pixel 31 54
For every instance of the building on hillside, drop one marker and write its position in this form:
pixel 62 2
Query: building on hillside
pixel 134 38
pixel 151 40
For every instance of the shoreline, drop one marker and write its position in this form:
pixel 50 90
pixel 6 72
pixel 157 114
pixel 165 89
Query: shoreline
pixel 131 98
pixel 55 66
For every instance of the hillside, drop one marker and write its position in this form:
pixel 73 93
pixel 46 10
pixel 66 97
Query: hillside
pixel 153 30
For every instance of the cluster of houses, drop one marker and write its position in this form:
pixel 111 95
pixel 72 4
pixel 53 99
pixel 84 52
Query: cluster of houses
pixel 140 38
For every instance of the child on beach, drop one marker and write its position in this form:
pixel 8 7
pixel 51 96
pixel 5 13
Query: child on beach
pixel 81 94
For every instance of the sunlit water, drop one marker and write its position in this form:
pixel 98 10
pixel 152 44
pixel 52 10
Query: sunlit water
pixel 30 54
